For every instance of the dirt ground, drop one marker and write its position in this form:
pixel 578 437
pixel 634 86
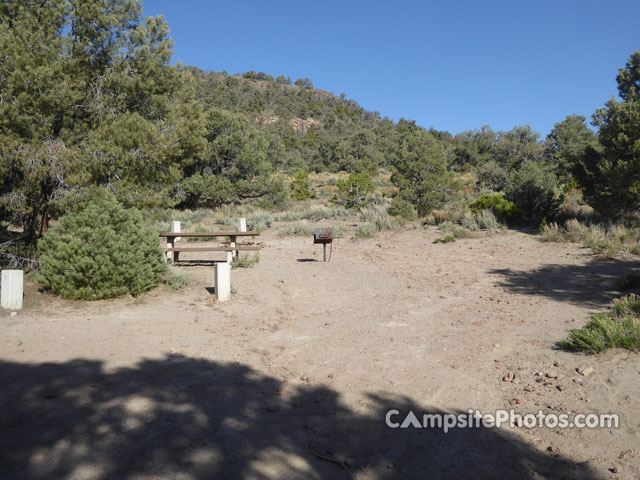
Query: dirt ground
pixel 293 377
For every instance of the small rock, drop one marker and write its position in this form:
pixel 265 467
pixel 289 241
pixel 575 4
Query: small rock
pixel 560 377
pixel 515 401
pixel 13 314
pixel 585 371
pixel 559 388
pixel 615 469
pixel 509 377
pixel 552 448
pixel 552 374
pixel 272 408
pixel 557 364
pixel 625 454
pixel 538 374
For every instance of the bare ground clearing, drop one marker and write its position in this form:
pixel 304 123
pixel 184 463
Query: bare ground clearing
pixel 292 378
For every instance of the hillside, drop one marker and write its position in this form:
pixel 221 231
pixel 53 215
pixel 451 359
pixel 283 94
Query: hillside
pixel 310 128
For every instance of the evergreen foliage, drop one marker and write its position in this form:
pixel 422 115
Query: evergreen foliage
pixel 100 250
pixel 300 187
pixel 610 174
pixel 420 169
pixel 504 210
pixel 355 191
pixel 402 208
pixel 534 191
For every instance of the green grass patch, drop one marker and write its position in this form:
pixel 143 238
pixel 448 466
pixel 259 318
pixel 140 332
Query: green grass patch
pixel 446 239
pixel 619 328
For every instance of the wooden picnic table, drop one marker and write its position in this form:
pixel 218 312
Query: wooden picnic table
pixel 232 250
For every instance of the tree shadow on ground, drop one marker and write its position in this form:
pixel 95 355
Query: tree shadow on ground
pixel 179 417
pixel 594 284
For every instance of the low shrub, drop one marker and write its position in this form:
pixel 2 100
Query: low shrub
pixel 100 250
pixel 314 213
pixel 550 232
pixel 602 241
pixel 445 239
pixel 503 209
pixel 486 220
pixel 339 232
pixel 602 247
pixel 297 229
pixel 365 230
pixel 619 328
pixel 245 262
pixel 176 279
pixel 260 221
pixel 379 219
pixel 402 208
pixel 461 232
pixel 441 216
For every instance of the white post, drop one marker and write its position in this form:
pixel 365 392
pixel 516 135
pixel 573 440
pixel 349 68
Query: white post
pixel 242 227
pixel 175 228
pixel 222 281
pixel 12 289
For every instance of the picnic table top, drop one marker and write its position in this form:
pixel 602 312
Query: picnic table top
pixel 209 234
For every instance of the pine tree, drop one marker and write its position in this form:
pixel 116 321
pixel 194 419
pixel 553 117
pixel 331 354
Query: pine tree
pixel 100 250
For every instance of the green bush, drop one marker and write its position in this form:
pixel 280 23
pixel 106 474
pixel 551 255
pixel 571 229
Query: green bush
pixel 492 175
pixel 355 190
pixel 207 190
pixel 100 251
pixel 535 191
pixel 300 188
pixel 502 208
pixel 617 329
pixel 402 208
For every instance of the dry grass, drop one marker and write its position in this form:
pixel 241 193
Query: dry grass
pixel 603 240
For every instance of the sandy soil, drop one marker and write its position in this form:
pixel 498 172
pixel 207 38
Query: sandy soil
pixel 292 378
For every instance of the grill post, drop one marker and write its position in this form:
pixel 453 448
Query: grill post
pixel 323 236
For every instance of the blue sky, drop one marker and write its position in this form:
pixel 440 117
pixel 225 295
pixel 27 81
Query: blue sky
pixel 452 65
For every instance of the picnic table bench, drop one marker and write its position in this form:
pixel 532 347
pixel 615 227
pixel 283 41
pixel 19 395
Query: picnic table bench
pixel 232 250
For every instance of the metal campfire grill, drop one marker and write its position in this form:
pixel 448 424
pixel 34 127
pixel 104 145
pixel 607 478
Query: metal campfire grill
pixel 324 236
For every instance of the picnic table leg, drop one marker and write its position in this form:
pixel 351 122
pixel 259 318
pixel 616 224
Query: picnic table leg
pixel 170 245
pixel 233 244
